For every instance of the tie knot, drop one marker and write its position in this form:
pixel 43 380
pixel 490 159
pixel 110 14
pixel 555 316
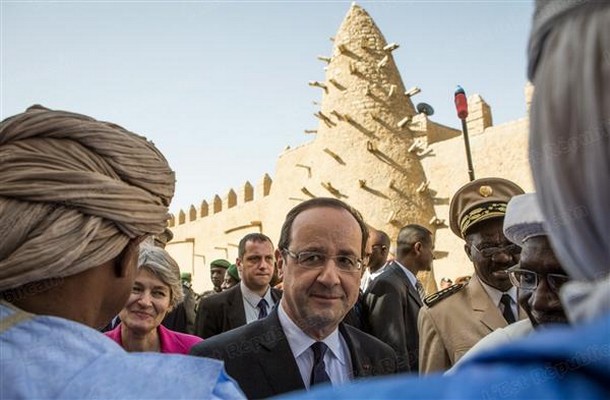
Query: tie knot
pixel 262 308
pixel 262 304
pixel 506 300
pixel 319 349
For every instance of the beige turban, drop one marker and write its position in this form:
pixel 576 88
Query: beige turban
pixel 73 192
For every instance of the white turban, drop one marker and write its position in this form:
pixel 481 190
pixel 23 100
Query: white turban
pixel 570 153
pixel 73 192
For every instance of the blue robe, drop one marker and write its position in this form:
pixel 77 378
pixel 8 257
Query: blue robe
pixel 49 357
pixel 558 363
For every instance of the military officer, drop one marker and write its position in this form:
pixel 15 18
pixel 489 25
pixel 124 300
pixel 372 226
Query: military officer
pixel 454 319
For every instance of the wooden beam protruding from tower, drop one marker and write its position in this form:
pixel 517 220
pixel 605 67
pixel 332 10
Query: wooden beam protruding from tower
pixel 319 84
pixel 391 47
pixel 413 91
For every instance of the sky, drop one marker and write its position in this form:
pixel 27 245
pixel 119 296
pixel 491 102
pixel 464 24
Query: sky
pixel 221 87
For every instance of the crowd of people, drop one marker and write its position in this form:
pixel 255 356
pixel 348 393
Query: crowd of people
pixel 83 211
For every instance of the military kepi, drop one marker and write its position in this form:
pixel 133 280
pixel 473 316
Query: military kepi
pixel 220 263
pixel 480 200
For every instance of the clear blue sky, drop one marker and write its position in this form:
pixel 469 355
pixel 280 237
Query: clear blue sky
pixel 221 87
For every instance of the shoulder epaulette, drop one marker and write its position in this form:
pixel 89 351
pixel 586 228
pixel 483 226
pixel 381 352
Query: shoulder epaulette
pixel 443 294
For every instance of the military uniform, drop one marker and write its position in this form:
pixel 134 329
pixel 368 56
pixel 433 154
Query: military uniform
pixel 455 319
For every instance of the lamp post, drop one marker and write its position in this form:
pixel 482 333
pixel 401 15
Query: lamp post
pixel 461 106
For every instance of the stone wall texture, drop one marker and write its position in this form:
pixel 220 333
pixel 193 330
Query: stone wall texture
pixel 373 150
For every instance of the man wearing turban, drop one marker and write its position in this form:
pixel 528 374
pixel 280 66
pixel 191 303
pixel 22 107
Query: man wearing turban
pixel 77 196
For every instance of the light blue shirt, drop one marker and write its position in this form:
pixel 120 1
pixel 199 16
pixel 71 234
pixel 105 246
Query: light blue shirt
pixel 561 362
pixel 50 357
pixel 412 278
pixel 251 301
pixel 337 359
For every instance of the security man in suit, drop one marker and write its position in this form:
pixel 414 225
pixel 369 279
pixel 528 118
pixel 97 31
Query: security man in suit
pixel 393 300
pixel 456 318
pixel 303 342
pixel 251 299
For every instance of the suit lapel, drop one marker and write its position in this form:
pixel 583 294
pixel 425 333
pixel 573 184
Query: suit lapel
pixel 414 294
pixel 276 295
pixel 361 365
pixel 236 316
pixel 483 307
pixel 411 291
pixel 275 358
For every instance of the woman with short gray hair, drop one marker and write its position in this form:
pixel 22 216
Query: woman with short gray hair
pixel 156 291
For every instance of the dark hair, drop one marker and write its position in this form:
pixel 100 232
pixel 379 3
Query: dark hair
pixel 383 238
pixel 409 235
pixel 321 202
pixel 251 237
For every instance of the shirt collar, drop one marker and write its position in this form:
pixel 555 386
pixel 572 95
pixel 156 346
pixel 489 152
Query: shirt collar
pixel 252 298
pixel 375 274
pixel 495 295
pixel 412 278
pixel 299 341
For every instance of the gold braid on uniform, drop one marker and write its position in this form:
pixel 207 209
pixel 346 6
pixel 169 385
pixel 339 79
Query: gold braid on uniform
pixel 485 211
pixel 443 294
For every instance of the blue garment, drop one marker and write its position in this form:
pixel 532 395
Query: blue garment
pixel 557 363
pixel 50 357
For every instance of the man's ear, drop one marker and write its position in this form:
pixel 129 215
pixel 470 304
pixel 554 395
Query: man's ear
pixel 417 248
pixel 238 264
pixel 127 260
pixel 468 250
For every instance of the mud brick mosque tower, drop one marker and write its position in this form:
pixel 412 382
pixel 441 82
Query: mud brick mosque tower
pixel 372 149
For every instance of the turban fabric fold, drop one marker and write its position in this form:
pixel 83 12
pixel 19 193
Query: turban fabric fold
pixel 570 152
pixel 73 192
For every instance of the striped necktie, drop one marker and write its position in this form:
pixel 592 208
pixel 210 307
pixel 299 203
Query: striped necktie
pixel 420 290
pixel 262 308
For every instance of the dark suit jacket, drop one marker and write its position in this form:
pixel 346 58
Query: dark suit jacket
pixel 224 311
pixel 355 317
pixel 259 358
pixel 392 305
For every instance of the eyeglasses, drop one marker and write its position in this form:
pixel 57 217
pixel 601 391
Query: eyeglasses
pixel 529 280
pixel 314 260
pixel 511 249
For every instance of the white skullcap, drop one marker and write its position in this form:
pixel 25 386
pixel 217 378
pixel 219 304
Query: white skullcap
pixel 523 219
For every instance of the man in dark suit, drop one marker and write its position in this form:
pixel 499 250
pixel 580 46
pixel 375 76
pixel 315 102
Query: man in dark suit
pixel 393 299
pixel 303 342
pixel 251 299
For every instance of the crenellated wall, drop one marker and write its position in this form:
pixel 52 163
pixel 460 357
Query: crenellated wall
pixel 371 149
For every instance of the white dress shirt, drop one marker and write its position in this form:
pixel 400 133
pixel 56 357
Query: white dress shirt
pixel 368 277
pixel 337 359
pixel 251 301
pixel 496 295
